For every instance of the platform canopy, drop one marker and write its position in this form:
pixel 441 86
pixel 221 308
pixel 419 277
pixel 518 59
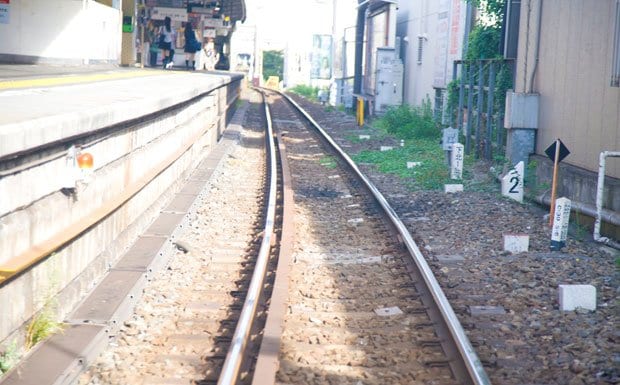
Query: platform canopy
pixel 235 9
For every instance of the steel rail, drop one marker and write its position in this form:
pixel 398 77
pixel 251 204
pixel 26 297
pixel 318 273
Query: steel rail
pixel 468 355
pixel 234 357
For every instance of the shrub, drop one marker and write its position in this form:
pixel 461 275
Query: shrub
pixel 306 91
pixel 408 122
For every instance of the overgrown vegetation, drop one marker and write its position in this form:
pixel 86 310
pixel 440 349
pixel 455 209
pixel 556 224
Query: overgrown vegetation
pixel 328 162
pixel 484 43
pixel 43 325
pixel 407 122
pixel 415 125
pixel 8 358
pixel 431 174
pixel 308 92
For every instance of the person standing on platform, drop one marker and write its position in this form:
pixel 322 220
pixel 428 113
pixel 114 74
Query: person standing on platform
pixel 166 43
pixel 191 46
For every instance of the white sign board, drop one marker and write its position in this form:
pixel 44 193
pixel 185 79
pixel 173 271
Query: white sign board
pixel 456 161
pixel 209 32
pixel 175 14
pixel 213 23
pixel 560 223
pixel 450 136
pixel 512 183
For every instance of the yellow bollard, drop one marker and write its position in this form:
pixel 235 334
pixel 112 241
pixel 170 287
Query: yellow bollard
pixel 360 111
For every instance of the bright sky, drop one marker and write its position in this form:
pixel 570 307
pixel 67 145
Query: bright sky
pixel 285 22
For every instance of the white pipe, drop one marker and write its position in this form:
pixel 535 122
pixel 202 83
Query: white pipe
pixel 600 187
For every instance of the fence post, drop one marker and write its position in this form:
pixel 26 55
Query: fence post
pixel 489 136
pixel 470 102
pixel 479 106
pixel 461 97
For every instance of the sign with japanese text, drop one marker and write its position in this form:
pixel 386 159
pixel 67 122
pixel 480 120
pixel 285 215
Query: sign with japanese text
pixel 449 137
pixel 175 14
pixel 561 218
pixel 456 162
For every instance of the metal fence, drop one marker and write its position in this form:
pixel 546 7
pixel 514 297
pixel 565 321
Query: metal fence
pixel 477 103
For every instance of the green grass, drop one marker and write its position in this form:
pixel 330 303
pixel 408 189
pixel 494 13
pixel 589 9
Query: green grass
pixel 8 358
pixel 43 325
pixel 308 92
pixel 432 174
pixel 328 162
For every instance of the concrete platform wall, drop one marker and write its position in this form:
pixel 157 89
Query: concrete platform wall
pixel 164 147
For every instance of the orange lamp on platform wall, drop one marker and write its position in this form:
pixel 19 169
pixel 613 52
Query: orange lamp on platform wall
pixel 85 161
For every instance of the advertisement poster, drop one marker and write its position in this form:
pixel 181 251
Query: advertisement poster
pixel 5 11
pixel 321 57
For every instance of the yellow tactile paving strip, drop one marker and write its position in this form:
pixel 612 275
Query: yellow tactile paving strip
pixel 75 79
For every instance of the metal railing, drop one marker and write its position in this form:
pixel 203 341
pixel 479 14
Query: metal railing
pixel 479 113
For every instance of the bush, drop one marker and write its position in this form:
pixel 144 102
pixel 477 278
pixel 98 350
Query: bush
pixel 307 92
pixel 409 122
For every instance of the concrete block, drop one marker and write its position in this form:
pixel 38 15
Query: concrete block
pixel 386 148
pixel 577 296
pixel 452 188
pixel 486 310
pixel 364 136
pixel 516 243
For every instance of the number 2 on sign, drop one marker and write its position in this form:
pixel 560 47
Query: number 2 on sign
pixel 515 180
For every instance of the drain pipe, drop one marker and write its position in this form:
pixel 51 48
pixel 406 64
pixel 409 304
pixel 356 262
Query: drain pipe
pixel 600 187
pixel 597 212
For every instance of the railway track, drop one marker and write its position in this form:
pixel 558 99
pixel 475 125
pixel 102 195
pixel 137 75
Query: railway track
pixel 350 304
pixel 361 308
pixel 181 330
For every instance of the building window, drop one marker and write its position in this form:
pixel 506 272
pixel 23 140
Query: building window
pixel 615 64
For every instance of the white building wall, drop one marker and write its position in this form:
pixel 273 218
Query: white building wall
pixel 62 29
pixel 314 17
pixel 439 25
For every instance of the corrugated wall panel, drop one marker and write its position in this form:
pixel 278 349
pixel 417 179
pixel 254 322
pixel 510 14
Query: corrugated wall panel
pixel 578 104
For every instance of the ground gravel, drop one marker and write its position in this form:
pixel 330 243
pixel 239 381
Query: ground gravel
pixel 508 304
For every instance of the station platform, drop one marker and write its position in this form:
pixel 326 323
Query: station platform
pixel 150 131
pixel 43 103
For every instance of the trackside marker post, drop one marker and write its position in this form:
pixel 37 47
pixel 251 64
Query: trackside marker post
pixel 456 161
pixel 512 183
pixel 560 223
pixel 556 152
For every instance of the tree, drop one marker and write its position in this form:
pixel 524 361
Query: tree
pixel 273 64
pixel 484 39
